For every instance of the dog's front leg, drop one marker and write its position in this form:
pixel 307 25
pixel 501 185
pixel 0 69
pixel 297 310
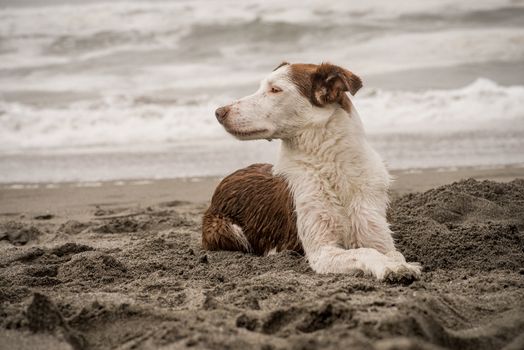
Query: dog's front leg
pixel 335 259
pixel 318 234
pixel 361 261
pixel 371 230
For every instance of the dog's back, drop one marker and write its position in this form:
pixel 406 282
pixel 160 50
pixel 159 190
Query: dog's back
pixel 252 211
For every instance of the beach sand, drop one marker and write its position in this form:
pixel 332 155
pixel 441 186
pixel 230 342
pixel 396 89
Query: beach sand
pixel 119 265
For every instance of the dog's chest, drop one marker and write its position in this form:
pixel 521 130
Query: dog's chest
pixel 328 200
pixel 340 200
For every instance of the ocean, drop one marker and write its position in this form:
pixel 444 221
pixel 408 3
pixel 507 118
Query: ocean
pixel 101 91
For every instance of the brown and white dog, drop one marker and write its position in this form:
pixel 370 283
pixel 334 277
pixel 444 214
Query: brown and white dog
pixel 328 193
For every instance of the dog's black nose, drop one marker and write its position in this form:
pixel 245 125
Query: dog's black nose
pixel 221 113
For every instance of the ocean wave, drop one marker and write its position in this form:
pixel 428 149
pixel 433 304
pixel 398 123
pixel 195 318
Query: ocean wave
pixel 41 36
pixel 202 59
pixel 115 121
pixel 121 120
pixel 482 105
pixel 137 15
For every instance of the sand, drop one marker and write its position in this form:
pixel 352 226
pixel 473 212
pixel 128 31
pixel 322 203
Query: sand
pixel 122 267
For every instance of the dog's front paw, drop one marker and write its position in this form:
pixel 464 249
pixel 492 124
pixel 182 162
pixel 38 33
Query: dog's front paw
pixel 402 273
pixel 396 256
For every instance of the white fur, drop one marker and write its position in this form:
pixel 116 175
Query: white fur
pixel 239 236
pixel 339 183
pixel 272 252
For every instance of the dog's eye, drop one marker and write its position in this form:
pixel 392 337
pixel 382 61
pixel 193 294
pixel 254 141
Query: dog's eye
pixel 274 90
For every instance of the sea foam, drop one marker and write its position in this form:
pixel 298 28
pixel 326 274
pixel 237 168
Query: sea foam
pixel 130 120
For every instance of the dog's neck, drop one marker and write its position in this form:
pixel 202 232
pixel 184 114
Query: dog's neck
pixel 337 155
pixel 340 141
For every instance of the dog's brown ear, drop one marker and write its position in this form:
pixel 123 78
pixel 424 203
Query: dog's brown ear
pixel 329 84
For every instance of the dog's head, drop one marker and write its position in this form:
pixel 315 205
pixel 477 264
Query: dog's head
pixel 291 98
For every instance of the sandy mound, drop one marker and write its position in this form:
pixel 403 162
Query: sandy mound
pixel 18 233
pixel 138 279
pixel 478 226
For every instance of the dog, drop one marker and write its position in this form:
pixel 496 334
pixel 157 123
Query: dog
pixel 327 195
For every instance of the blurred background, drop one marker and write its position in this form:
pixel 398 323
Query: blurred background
pixel 93 91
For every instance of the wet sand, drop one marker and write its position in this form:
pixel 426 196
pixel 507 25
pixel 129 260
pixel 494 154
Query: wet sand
pixel 119 265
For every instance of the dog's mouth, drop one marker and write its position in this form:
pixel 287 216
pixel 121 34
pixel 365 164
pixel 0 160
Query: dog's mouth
pixel 246 133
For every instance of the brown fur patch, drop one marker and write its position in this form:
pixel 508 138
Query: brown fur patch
pixel 261 204
pixel 301 76
pixel 325 83
pixel 336 78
